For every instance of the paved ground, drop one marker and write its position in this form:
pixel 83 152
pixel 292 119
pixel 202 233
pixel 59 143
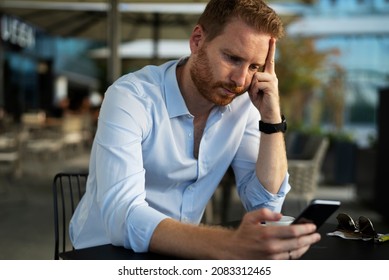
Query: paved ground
pixel 26 221
pixel 26 207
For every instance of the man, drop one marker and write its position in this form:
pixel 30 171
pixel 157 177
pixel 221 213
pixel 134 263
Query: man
pixel 166 136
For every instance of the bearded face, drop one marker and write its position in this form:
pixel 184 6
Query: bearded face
pixel 218 92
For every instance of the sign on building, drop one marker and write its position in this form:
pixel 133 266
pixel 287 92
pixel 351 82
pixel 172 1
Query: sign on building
pixel 16 32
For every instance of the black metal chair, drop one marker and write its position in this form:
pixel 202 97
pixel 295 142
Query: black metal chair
pixel 68 189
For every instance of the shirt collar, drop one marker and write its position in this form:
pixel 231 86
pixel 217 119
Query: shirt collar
pixel 175 103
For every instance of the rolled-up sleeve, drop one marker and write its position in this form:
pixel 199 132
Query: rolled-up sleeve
pixel 120 176
pixel 254 195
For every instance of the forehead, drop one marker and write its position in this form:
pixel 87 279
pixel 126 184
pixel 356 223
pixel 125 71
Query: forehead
pixel 244 41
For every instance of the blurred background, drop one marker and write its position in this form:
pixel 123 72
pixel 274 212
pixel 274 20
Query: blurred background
pixel 58 57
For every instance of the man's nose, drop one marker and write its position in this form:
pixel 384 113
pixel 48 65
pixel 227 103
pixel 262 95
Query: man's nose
pixel 239 76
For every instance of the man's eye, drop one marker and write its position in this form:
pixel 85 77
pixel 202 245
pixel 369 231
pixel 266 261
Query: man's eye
pixel 257 68
pixel 233 58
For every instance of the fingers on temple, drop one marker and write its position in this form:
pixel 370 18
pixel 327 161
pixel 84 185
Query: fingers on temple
pixel 270 64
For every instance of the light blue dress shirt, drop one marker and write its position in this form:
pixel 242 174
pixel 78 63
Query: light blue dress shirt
pixel 142 169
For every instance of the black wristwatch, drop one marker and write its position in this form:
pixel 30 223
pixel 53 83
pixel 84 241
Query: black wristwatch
pixel 270 128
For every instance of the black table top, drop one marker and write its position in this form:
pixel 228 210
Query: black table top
pixel 328 248
pixel 336 248
pixel 110 252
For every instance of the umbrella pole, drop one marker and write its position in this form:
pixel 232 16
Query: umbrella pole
pixel 156 27
pixel 113 36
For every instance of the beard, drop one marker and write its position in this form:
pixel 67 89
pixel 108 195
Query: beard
pixel 204 81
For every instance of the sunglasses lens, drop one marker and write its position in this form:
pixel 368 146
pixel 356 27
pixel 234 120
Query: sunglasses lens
pixel 366 227
pixel 345 222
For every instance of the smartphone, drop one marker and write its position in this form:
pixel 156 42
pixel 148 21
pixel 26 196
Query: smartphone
pixel 317 212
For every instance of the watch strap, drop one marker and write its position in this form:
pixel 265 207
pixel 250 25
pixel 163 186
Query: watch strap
pixel 270 128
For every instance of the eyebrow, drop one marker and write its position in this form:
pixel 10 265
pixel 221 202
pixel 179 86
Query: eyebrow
pixel 237 56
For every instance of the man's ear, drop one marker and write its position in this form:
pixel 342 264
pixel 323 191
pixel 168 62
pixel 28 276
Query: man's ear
pixel 196 38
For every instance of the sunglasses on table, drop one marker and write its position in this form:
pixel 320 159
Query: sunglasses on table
pixel 362 228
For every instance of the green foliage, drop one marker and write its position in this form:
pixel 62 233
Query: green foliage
pixel 300 69
pixel 340 136
pixel 298 64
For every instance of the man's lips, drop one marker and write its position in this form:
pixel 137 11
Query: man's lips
pixel 233 92
pixel 229 92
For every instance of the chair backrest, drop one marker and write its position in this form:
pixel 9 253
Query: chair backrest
pixel 10 154
pixel 304 173
pixel 322 144
pixel 68 189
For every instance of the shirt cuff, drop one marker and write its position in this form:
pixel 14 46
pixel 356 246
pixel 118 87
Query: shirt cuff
pixel 257 196
pixel 141 225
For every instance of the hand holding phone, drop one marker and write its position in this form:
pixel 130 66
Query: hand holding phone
pixel 317 212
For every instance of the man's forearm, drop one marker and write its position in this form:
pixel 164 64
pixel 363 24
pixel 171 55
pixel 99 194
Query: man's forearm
pixel 191 241
pixel 272 163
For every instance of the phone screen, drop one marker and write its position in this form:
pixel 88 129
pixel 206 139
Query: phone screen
pixel 317 212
